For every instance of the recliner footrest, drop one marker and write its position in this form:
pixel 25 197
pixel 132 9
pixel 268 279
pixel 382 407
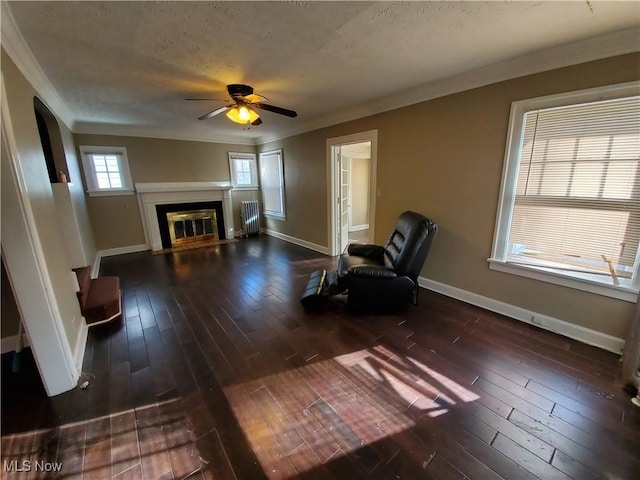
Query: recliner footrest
pixel 312 296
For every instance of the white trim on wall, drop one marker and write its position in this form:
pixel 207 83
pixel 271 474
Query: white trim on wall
pixel 583 51
pixel 8 344
pixel 234 157
pixel 331 145
pixel 152 194
pixel 27 270
pixel 297 241
pixel 595 48
pixel 81 346
pixel 577 332
pixel 110 252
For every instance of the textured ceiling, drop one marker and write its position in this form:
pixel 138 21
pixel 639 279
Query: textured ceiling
pixel 126 67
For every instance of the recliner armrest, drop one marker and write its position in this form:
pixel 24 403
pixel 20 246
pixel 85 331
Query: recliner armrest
pixel 367 250
pixel 371 271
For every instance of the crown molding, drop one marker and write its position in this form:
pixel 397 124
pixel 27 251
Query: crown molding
pixel 596 48
pixel 15 46
pixel 87 128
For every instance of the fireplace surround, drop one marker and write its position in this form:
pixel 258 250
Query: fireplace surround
pixel 153 195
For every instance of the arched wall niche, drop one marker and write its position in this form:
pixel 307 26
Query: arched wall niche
pixel 51 140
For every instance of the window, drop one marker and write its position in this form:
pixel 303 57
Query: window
pixel 272 182
pixel 244 172
pixel 106 170
pixel 570 200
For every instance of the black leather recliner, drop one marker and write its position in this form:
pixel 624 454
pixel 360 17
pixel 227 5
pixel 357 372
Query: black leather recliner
pixel 377 278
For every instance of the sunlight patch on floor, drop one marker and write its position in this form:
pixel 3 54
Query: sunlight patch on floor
pixel 141 438
pixel 298 419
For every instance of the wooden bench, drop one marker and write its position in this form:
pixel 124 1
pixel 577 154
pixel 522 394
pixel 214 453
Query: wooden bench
pixel 99 298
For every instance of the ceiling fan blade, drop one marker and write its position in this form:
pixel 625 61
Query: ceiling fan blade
pixel 257 121
pixel 254 98
pixel 215 112
pixel 274 109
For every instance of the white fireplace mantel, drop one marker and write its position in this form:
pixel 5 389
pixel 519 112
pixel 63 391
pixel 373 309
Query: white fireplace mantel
pixel 152 194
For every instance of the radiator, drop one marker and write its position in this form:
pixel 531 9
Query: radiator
pixel 250 214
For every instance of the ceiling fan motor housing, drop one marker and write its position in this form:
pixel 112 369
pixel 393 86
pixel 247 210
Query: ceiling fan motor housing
pixel 237 89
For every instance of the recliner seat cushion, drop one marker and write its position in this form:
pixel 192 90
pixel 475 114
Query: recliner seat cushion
pixel 347 262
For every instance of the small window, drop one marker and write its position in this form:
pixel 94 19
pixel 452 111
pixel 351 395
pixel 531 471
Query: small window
pixel 272 181
pixel 570 200
pixel 244 173
pixel 106 170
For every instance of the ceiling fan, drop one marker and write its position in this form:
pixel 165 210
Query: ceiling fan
pixel 241 110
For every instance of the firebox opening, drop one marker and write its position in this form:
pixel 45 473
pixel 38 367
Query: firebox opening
pixel 192 226
pixel 181 223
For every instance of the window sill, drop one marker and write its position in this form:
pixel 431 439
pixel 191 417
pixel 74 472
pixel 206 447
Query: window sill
pixel 614 291
pixel 282 218
pixel 109 193
pixel 245 187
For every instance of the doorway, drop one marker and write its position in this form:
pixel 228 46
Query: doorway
pixel 352 166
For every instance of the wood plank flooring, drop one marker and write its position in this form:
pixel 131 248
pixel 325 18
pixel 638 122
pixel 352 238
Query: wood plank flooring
pixel 216 372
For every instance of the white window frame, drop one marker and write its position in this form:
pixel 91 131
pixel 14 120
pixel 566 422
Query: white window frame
pixel 265 158
pixel 234 159
pixel 90 176
pixel 497 261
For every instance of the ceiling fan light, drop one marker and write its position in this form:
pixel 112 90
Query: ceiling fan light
pixel 242 115
pixel 253 116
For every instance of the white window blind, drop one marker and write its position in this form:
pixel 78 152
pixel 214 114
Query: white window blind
pixel 272 183
pixel 243 172
pixel 577 197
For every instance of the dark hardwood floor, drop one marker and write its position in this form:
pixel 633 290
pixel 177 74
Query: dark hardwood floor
pixel 216 371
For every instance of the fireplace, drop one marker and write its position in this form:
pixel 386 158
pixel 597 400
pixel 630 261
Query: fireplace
pixel 158 199
pixel 181 223
pixel 192 226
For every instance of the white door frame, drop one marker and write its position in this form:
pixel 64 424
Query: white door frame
pixel 27 271
pixel 332 192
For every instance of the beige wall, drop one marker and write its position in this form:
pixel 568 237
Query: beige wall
pixel 30 156
pixel 359 191
pixel 444 158
pixel 305 197
pixel 78 197
pixel 116 220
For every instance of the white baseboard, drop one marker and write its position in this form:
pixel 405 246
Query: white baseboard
pixel 8 344
pixel 582 334
pixel 81 345
pixel 357 228
pixel 95 270
pixel 297 241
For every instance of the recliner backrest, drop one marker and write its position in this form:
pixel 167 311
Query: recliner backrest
pixel 408 245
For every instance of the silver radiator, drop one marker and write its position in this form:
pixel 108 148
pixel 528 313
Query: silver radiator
pixel 250 213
